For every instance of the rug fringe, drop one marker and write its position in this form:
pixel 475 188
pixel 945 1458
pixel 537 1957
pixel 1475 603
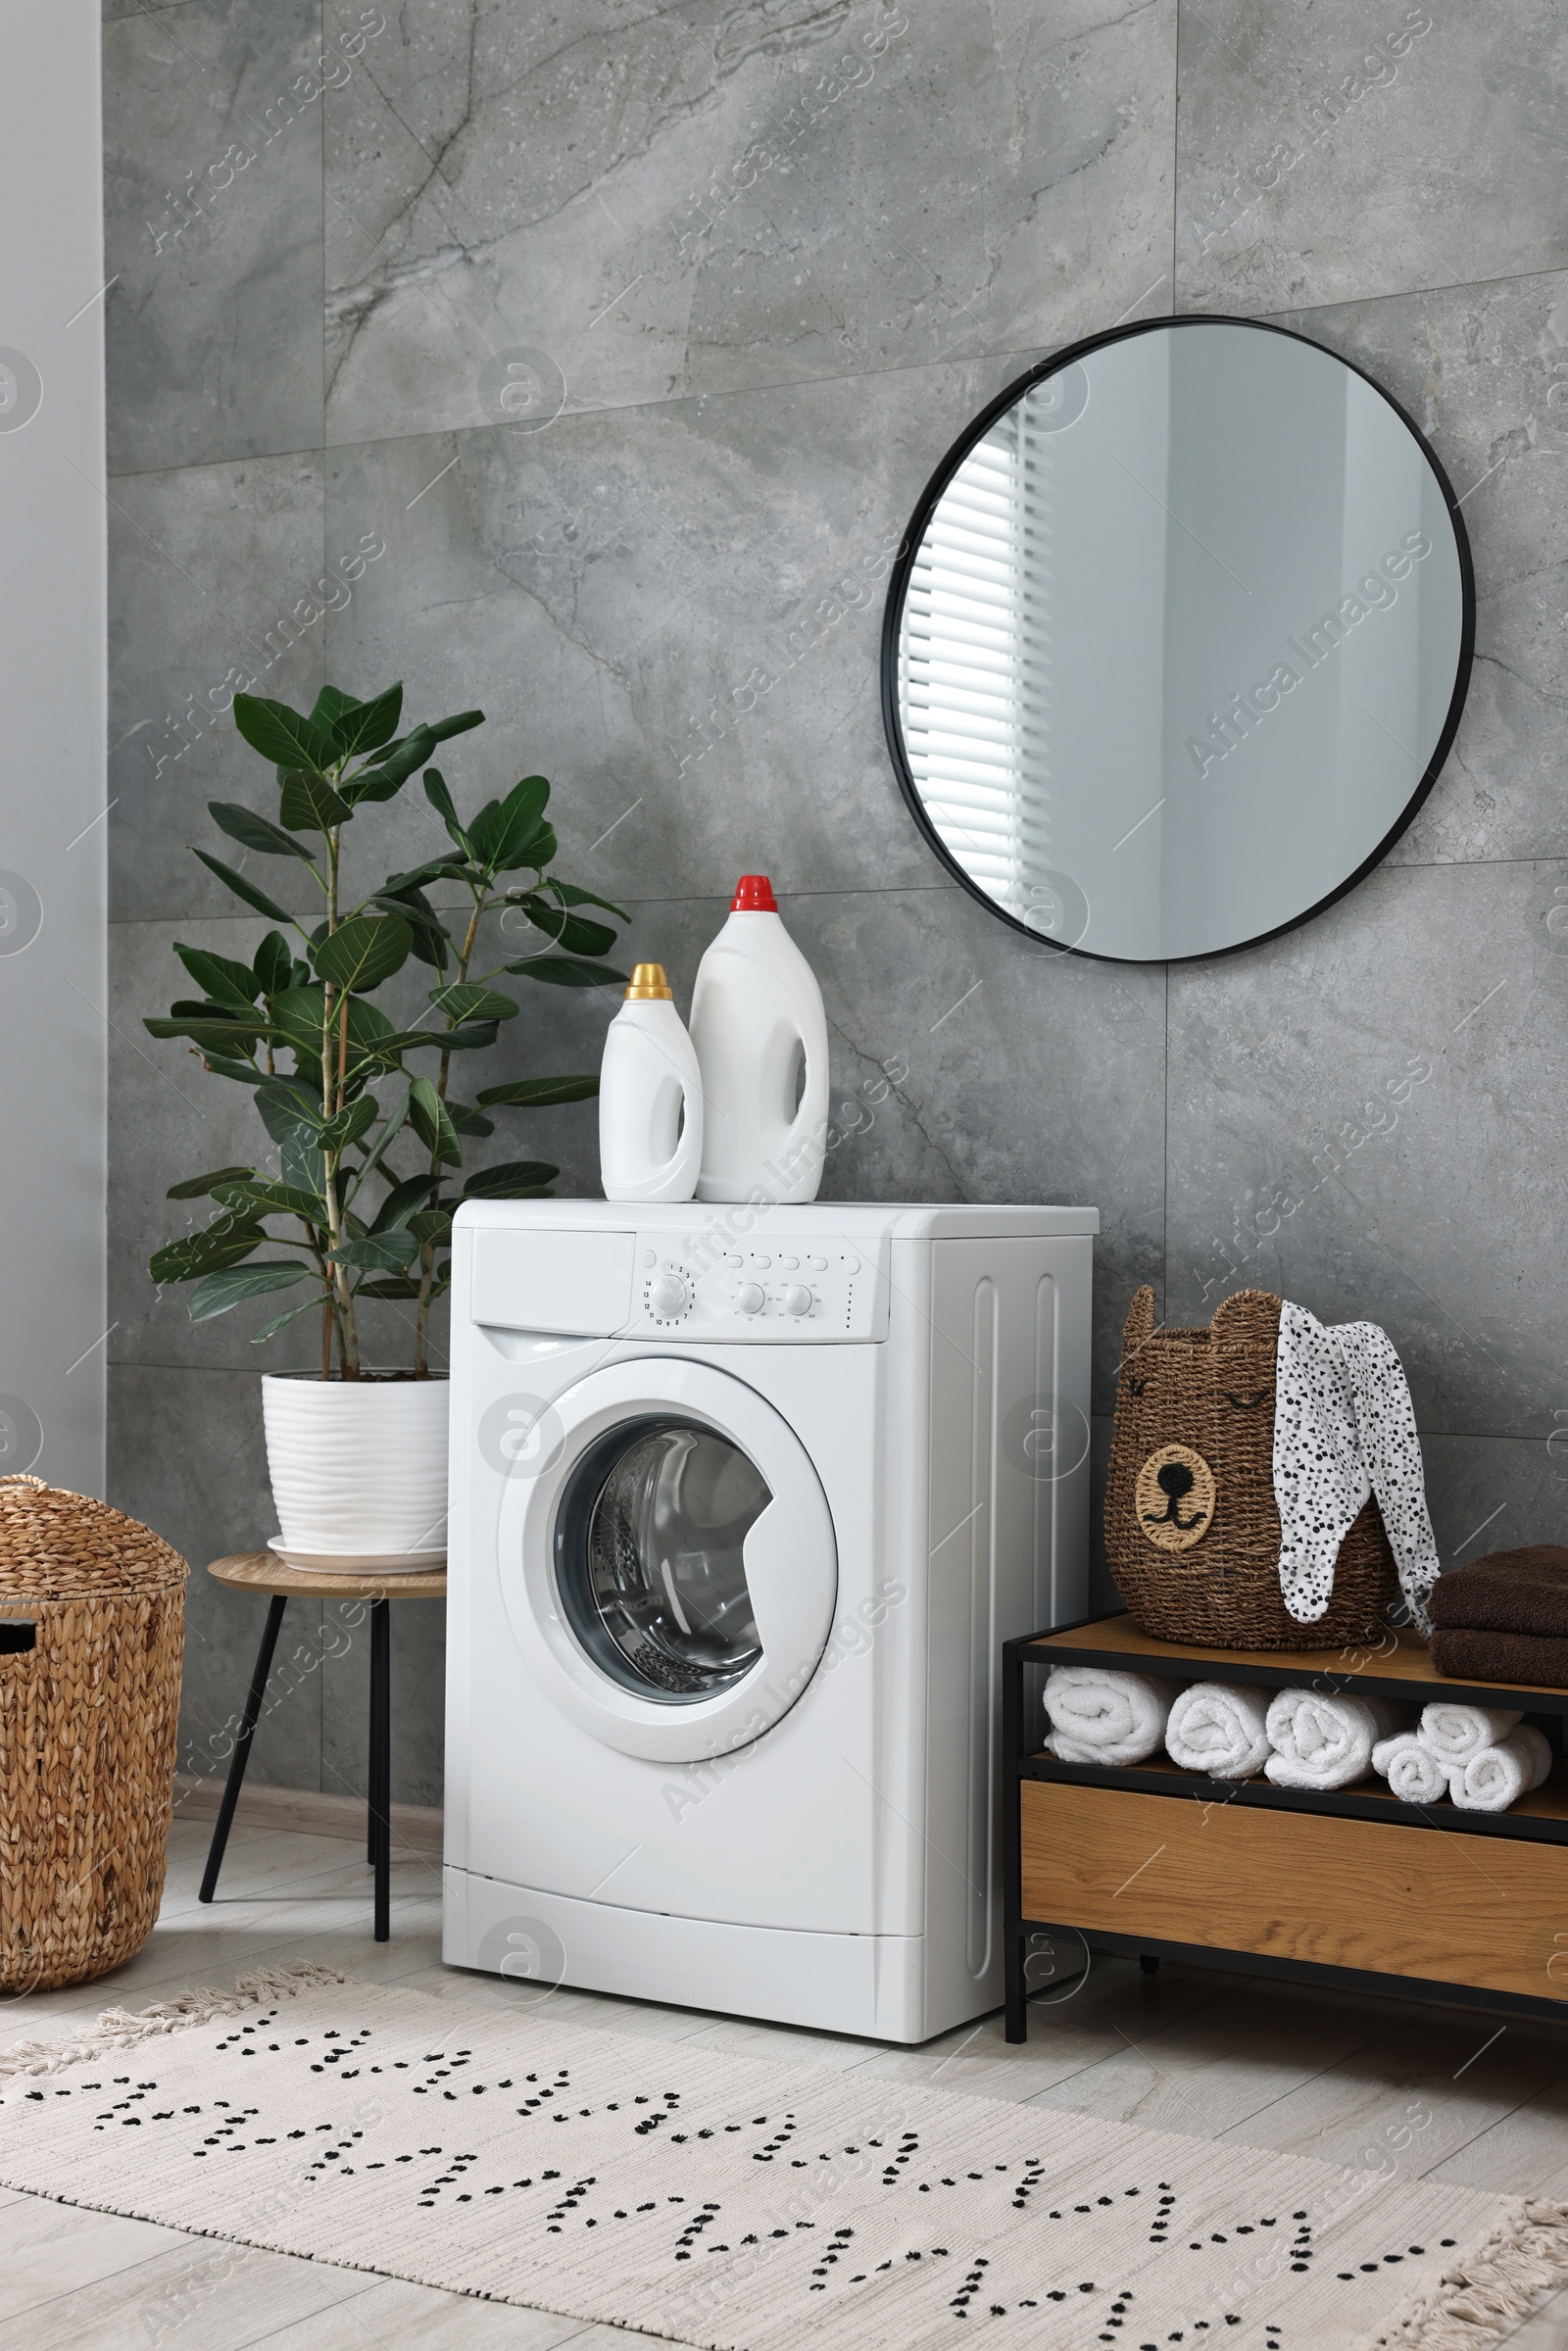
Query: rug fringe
pixel 1486 2297
pixel 115 2028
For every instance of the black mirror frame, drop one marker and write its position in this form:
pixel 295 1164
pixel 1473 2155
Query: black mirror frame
pixel 913 538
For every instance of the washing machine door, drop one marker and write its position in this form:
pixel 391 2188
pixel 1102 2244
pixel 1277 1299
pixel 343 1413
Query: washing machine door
pixel 667 1559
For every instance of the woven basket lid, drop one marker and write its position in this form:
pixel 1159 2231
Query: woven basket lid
pixel 55 1544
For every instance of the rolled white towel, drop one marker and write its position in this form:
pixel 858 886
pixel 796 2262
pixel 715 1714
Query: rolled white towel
pixel 1218 1728
pixel 1455 1732
pixel 1100 1716
pixel 1325 1741
pixel 1413 1773
pixel 1500 1775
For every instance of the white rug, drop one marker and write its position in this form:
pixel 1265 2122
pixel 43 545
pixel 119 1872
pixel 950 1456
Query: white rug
pixel 733 2202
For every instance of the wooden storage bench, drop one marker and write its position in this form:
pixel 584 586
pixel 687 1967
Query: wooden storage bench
pixel 1351 1887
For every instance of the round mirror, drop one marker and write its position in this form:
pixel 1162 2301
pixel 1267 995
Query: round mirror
pixel 1177 641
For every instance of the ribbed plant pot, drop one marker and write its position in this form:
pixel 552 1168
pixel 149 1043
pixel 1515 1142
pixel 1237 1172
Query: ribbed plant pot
pixel 359 1467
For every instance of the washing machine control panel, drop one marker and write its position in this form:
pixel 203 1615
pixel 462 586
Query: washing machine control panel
pixel 714 1284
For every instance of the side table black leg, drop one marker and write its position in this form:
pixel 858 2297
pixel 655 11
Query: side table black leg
pixel 242 1746
pixel 381 1762
pixel 1015 1951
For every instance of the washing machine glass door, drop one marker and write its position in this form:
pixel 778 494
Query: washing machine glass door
pixel 667 1559
pixel 651 1558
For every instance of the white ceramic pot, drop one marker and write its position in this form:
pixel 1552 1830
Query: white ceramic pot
pixel 359 1467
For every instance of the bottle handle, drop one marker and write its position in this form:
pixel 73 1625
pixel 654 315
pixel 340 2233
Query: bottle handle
pixel 795 1139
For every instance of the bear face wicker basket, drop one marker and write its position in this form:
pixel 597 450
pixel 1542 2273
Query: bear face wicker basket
pixel 92 1608
pixel 1192 1526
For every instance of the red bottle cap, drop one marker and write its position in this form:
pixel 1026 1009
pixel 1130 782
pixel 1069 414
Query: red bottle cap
pixel 754 895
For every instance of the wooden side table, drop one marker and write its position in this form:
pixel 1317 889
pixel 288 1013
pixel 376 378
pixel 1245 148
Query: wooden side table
pixel 266 1571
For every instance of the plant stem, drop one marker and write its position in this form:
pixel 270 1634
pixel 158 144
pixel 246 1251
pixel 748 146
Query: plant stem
pixel 421 1316
pixel 348 1327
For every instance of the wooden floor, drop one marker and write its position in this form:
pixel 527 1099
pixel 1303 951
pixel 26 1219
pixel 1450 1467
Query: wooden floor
pixel 1434 2093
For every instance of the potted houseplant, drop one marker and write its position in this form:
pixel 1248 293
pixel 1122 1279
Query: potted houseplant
pixel 367 1142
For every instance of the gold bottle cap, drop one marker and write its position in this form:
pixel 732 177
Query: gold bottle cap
pixel 648 984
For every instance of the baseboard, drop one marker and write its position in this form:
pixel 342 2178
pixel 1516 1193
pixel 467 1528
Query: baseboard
pixel 306 1812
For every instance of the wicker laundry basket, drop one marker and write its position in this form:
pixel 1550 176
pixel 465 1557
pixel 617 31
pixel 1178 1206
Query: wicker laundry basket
pixel 89 1700
pixel 1192 1527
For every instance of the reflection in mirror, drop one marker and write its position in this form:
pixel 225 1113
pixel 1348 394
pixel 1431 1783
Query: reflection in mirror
pixel 1180 641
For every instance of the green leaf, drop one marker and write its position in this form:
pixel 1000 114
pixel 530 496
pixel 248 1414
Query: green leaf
pixel 428 1115
pixel 540 1093
pixel 574 932
pixel 363 951
pixel 402 1203
pixel 515 822
pixel 208 1035
pixel 565 971
pixel 472 1001
pixel 244 890
pixel 268 1330
pixel 431 1224
pixel 347 1125
pixel 272 965
pixel 513 1179
pixel 233 985
pixel 440 799
pixel 365 725
pixel 310 805
pixel 430 941
pixel 225 1242
pixel 377 1252
pixel 330 704
pixel 388 774
pixel 285 1105
pixel 282 735
pixel 222 1290
pixel 257 832
pixel 472 1037
pixel 298 1013
pixel 218 1066
pixel 469 1122
pixel 434 869
pixel 537 851
pixel 478 829
pixel 393 1286
pixel 198 1187
pixel 568 895
pixel 267 1199
pixel 444 728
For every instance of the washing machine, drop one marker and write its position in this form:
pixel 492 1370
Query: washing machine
pixel 744 1500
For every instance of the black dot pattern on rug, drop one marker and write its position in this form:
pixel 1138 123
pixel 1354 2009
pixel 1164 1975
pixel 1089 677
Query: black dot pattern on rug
pixel 706 2189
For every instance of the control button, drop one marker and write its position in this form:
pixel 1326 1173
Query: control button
pixel 789 1263
pixel 796 1300
pixel 762 1263
pixel 817 1264
pixel 650 1258
pixel 735 1263
pixel 668 1296
pixel 850 1261
pixel 751 1298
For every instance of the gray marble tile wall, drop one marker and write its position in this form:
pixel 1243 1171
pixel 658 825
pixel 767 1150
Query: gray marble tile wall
pixel 584 362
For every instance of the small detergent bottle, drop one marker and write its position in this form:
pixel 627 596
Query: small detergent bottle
pixel 650 1097
pixel 761 1045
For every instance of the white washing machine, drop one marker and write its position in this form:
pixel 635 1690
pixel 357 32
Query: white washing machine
pixel 744 1500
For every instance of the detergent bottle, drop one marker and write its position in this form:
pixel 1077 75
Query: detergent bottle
pixel 762 1045
pixel 650 1097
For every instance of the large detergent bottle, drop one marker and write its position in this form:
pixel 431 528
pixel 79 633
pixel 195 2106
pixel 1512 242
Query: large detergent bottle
pixel 650 1097
pixel 761 1045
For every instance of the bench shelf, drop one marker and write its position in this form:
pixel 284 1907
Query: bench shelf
pixel 1346 1887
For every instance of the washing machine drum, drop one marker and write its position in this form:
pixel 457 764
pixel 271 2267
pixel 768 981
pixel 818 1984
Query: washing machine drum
pixel 668 1559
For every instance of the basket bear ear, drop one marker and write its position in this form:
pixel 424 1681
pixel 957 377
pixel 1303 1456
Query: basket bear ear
pixel 1139 1327
pixel 1252 1318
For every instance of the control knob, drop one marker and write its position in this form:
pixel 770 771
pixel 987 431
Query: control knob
pixel 796 1300
pixel 670 1295
pixel 751 1298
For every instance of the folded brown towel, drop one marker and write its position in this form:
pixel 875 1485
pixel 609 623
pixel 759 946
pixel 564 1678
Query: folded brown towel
pixel 1508 1591
pixel 1482 1656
